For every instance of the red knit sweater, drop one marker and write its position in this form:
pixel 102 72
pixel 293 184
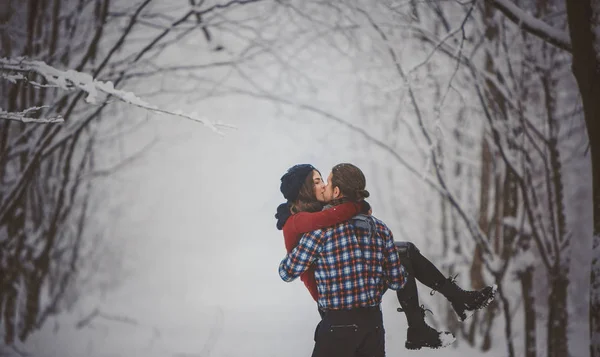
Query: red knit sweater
pixel 304 222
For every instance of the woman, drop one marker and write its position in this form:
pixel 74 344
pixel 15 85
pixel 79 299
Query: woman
pixel 303 187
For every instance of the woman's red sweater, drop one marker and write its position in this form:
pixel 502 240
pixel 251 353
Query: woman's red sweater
pixel 304 222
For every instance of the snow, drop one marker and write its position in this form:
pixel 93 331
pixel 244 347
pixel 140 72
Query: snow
pixel 68 79
pixel 202 252
pixel 537 26
pixel 520 225
pixel 23 117
pixel 193 219
pixel 13 78
pixel 447 339
pixel 523 261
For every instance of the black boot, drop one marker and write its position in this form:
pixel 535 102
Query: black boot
pixel 419 334
pixel 465 303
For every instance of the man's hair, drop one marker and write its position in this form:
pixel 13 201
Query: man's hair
pixel 350 180
pixel 306 201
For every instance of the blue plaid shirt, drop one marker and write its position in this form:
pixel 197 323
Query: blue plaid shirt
pixel 353 267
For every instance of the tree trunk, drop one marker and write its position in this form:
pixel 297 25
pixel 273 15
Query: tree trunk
pixel 526 278
pixel 559 274
pixel 595 295
pixel 557 319
pixel 586 68
pixel 476 272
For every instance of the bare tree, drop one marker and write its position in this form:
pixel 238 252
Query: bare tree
pixel 61 64
pixel 553 240
pixel 582 40
pixel 527 174
pixel 584 24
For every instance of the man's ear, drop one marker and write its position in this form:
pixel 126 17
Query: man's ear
pixel 336 192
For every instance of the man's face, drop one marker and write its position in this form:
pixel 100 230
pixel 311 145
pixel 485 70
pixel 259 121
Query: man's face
pixel 319 186
pixel 329 191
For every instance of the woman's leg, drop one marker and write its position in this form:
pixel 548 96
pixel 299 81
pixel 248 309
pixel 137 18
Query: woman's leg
pixel 419 334
pixel 424 270
pixel 463 302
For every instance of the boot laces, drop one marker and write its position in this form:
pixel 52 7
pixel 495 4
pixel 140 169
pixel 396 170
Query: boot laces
pixel 425 310
pixel 437 285
pixel 428 330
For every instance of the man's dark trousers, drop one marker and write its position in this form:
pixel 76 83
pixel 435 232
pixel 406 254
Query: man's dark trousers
pixel 350 333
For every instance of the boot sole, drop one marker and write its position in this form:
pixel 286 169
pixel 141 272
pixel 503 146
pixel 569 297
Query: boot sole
pixel 470 313
pixel 413 346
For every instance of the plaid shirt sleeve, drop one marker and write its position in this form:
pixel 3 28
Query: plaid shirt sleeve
pixel 301 257
pixel 393 271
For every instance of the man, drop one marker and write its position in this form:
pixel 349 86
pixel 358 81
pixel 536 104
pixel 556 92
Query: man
pixel 356 261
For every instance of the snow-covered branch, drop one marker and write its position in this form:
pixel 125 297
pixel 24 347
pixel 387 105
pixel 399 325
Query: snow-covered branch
pixel 23 116
pixel 533 25
pixel 71 79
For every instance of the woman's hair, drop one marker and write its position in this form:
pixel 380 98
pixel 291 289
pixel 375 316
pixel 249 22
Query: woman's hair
pixel 306 201
pixel 350 180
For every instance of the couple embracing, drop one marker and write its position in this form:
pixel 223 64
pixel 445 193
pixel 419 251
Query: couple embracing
pixel 347 260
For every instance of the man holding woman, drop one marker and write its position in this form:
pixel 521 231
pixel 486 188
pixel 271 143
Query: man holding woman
pixel 348 261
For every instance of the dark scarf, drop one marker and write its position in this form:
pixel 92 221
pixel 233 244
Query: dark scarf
pixel 282 215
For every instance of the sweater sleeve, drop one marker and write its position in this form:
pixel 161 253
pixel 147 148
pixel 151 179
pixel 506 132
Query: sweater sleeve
pixel 300 258
pixel 305 222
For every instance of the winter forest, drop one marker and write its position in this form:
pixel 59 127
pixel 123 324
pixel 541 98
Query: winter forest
pixel 142 144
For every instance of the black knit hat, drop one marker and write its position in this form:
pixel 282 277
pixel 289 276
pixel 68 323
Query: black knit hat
pixel 293 180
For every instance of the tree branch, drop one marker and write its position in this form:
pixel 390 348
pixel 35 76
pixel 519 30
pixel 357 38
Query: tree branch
pixel 22 116
pixel 71 79
pixel 533 25
pixel 473 228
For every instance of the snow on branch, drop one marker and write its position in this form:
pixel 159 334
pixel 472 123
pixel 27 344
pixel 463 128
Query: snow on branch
pixel 534 25
pixel 23 116
pixel 12 69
